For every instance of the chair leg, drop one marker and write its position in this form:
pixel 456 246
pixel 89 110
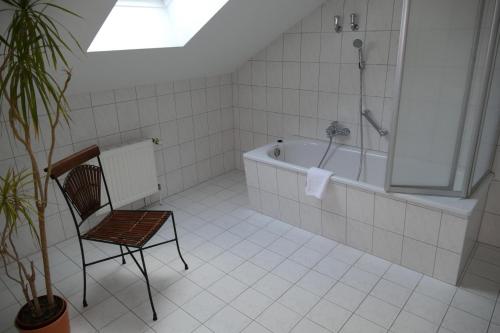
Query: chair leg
pixel 147 283
pixel 186 267
pixel 123 257
pixel 84 266
pixel 84 286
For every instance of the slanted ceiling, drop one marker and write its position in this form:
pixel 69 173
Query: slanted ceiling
pixel 237 32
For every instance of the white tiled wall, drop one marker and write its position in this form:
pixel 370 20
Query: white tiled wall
pixel 193 118
pixel 428 240
pixel 309 76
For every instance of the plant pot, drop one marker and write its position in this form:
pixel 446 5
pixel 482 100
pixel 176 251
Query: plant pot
pixel 53 321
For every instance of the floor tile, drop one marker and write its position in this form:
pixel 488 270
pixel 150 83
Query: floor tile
pixel 228 320
pixel 407 322
pixel 272 286
pixel 308 326
pixel 227 288
pixel 267 259
pixel 346 254
pixel 227 261
pixel 178 321
pixel 126 323
pixel 474 304
pixel 306 257
pixel 360 279
pixel 182 291
pixel 283 247
pixel 298 300
pixel 278 318
pixel 391 292
pixel 345 296
pixel 357 324
pixel 372 264
pixel 332 267
pixel 402 276
pixel 248 273
pixel 255 327
pixel 316 283
pixel 462 322
pixel 329 315
pixel 105 312
pixel 205 275
pixel 378 311
pixel 246 249
pixel 207 251
pixel 163 307
pixel 251 303
pixel 426 307
pixel 439 290
pixel 203 306
pixel 290 271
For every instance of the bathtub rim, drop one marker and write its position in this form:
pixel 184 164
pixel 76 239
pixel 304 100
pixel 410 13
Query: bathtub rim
pixel 459 207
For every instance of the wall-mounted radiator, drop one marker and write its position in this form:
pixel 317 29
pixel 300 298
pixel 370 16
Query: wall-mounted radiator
pixel 130 172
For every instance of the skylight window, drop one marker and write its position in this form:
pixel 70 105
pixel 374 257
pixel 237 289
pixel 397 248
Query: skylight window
pixel 148 24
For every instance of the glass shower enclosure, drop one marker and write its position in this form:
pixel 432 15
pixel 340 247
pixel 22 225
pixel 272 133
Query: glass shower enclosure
pixel 446 98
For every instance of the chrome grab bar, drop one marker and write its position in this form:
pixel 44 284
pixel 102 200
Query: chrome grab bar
pixel 368 115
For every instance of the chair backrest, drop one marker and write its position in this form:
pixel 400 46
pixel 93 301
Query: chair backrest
pixel 82 185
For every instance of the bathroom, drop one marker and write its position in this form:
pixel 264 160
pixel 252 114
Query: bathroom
pixel 330 164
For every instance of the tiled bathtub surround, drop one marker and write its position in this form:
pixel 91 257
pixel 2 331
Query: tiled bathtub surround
pixel 431 241
pixel 309 76
pixel 193 119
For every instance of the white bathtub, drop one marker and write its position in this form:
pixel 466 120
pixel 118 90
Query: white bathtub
pixel 430 234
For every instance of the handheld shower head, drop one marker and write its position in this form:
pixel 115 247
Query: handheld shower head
pixel 358 43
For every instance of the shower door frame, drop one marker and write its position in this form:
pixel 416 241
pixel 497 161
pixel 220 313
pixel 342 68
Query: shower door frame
pixel 441 190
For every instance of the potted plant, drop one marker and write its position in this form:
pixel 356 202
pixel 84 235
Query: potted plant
pixel 32 52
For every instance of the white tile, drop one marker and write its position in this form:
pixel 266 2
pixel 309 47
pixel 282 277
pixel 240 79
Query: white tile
pixel 163 308
pixel 334 226
pixel 227 261
pixel 307 326
pixel 378 311
pixel 266 259
pixel 418 255
pixel 329 315
pixel 178 321
pixel 283 247
pixel 447 266
pixel 203 306
pixel 335 199
pixel 360 279
pixel 272 286
pixel 345 296
pixel 306 257
pixel 391 292
pixel 105 312
pixel 359 235
pixel 227 288
pixel 426 307
pixel 372 264
pixel 360 205
pixel 278 318
pixel 462 322
pixel 287 184
pixel 181 291
pixel 345 254
pixel 248 273
pixel 126 323
pixel 422 224
pixel 474 304
pixel 246 249
pixel 298 300
pixel 316 283
pixel 251 303
pixel 452 233
pixel 358 324
pixel 389 214
pixel 387 245
pixel 310 218
pixel 403 276
pixel 441 291
pixel 255 327
pixel 407 322
pixel 332 267
pixel 228 320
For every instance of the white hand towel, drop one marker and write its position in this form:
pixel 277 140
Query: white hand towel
pixel 316 182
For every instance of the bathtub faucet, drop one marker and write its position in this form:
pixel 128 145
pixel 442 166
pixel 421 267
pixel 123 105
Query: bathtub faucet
pixel 335 129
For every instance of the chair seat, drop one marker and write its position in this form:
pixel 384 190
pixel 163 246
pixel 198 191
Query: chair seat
pixel 128 227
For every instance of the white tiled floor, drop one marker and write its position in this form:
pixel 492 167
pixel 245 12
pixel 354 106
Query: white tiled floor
pixel 251 273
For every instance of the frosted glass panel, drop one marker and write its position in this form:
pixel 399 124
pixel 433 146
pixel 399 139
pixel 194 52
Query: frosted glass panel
pixel 439 44
pixel 489 134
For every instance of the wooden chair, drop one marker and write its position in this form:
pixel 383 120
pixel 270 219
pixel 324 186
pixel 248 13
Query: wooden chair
pixel 129 229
